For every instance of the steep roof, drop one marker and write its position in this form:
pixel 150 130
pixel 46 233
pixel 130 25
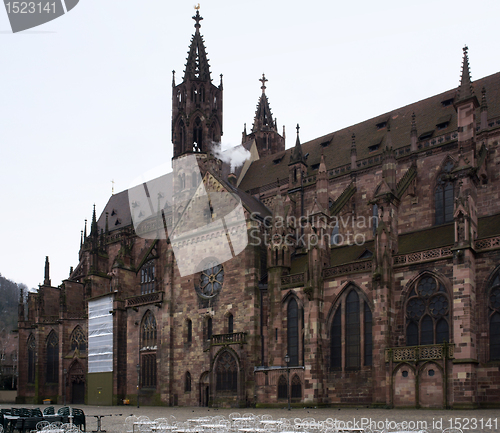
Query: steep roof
pixel 371 135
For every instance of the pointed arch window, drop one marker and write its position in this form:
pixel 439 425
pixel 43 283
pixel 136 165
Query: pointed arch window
pixel 296 388
pixel 227 373
pixel 78 340
pixel 148 350
pixel 494 317
pixel 351 333
pixel 230 324
pixel 148 277
pixel 182 135
pixel 52 366
pixel 189 325
pixel 149 333
pixel 427 313
pixel 444 195
pixel 197 135
pixel 282 387
pixel 31 358
pixel 293 332
pixel 187 382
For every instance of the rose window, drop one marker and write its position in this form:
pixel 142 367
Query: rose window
pixel 211 280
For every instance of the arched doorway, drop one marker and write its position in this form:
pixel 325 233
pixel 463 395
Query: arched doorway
pixel 204 389
pixel 76 377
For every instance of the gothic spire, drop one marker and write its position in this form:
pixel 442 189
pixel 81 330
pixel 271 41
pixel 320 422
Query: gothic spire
pixel 465 90
pixel 197 67
pixel 297 150
pixel 263 117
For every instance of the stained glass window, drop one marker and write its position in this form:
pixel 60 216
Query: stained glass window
pixel 78 339
pixel 227 373
pixel 427 313
pixel 148 277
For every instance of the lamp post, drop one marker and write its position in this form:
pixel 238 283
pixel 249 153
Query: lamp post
pixel 138 366
pixel 64 386
pixel 287 360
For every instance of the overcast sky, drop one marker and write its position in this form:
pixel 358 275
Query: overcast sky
pixel 86 98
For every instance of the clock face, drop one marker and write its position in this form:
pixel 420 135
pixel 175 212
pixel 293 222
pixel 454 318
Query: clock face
pixel 211 281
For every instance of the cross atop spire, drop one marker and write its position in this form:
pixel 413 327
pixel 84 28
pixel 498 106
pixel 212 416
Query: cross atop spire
pixel 197 18
pixel 263 81
pixel 298 127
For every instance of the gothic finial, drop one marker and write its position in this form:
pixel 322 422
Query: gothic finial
pixel 220 85
pixel 173 78
pixel 46 280
pixel 93 227
pixel 263 81
pixel 81 238
pixel 298 127
pixel 85 232
pixel 197 18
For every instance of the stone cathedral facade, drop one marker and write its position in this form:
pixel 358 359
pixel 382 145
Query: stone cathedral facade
pixel 373 262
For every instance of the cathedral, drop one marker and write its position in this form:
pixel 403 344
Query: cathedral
pixel 363 267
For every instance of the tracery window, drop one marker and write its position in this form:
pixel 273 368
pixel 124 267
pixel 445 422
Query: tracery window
pixel 494 317
pixel 427 313
pixel 149 334
pixel 148 277
pixel 31 358
pixel 52 366
pixel 227 373
pixel 78 340
pixel 282 387
pixel 148 350
pixel 211 281
pixel 444 195
pixel 293 332
pixel 351 333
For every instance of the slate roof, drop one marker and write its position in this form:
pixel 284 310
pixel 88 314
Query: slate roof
pixel 427 239
pixel 337 150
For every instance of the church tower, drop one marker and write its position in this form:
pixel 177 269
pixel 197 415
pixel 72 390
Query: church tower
pixel 196 102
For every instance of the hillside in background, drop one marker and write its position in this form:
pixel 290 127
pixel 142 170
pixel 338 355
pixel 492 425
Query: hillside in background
pixel 9 300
